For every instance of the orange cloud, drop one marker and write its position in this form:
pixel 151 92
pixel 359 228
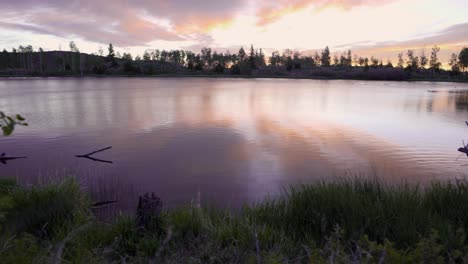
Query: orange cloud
pixel 274 10
pixel 202 24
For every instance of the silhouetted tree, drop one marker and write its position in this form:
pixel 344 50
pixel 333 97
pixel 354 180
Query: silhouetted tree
pixel 157 54
pixel 434 61
pixel 252 58
pixel 361 61
pixel 40 59
pixel 355 60
pixel 463 58
pixel 412 62
pixel 374 62
pixel 401 62
pixel 317 59
pixel 261 59
pixel 423 60
pixel 241 54
pixel 198 63
pixel 454 64
pixel 163 56
pixel 325 59
pixel 146 56
pixel 111 54
pixel 389 64
pixel 127 56
pixel 336 61
pixel 73 47
pixel 275 58
pixel 206 56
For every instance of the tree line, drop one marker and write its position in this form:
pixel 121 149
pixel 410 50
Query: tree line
pixel 26 60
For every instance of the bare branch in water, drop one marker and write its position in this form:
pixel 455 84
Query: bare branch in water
pixel 4 158
pixel 94 152
pixel 88 156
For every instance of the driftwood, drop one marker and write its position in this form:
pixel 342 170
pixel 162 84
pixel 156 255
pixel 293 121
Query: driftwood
pixel 89 156
pixel 149 208
pixel 4 158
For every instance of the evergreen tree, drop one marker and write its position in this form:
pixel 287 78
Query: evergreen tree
pixel 349 59
pixel 241 54
pixel 325 59
pixel 434 61
pixel 252 58
pixel 111 54
pixel 261 58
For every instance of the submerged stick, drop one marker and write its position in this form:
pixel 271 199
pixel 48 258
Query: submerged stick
pixel 95 159
pixel 4 158
pixel 101 203
pixel 88 156
pixel 94 152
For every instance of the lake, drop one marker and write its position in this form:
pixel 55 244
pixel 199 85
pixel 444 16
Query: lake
pixel 230 141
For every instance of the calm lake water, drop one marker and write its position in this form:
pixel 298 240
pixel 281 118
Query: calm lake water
pixel 230 141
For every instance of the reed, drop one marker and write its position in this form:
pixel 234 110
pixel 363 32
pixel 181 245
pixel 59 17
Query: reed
pixel 357 220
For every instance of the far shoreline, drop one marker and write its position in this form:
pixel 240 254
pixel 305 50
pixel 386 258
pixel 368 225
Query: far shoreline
pixel 225 76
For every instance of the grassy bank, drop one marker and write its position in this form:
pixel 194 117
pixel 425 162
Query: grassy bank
pixel 348 221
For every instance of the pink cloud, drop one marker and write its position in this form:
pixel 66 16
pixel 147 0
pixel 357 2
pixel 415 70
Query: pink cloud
pixel 122 22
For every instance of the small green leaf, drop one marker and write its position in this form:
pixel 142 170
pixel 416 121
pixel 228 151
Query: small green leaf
pixel 20 118
pixel 7 130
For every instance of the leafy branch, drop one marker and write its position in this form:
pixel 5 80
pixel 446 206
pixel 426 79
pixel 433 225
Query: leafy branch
pixel 8 123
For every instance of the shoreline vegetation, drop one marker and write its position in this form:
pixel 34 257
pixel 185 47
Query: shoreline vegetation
pixel 25 62
pixel 227 76
pixel 349 221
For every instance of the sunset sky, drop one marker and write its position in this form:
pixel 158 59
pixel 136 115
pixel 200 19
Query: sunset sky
pixel 380 28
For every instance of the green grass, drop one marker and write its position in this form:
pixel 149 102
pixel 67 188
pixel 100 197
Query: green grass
pixel 342 222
